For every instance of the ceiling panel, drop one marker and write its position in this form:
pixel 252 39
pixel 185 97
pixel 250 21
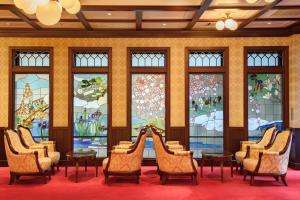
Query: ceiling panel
pixel 109 14
pixel 7 14
pixel 168 14
pixel 289 3
pixel 270 24
pixel 236 3
pixel 64 25
pixel 64 15
pixel 14 25
pixel 164 25
pixel 141 2
pixel 282 13
pixel 234 13
pixel 99 25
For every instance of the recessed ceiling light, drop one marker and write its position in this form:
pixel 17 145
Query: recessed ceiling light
pixel 109 14
pixel 164 24
pixel 269 23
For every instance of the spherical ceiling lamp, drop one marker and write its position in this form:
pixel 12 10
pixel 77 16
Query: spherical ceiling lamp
pixel 220 25
pixel 23 4
pixel 75 9
pixel 31 9
pixel 41 2
pixel 67 3
pixel 251 1
pixel 50 13
pixel 229 23
pixel 269 1
pixel 234 26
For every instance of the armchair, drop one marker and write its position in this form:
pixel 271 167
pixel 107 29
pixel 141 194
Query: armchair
pixel 272 161
pixel 23 161
pixel 28 141
pixel 126 162
pixel 173 163
pixel 266 140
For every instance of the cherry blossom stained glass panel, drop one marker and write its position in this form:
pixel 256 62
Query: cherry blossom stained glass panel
pixel 148 105
pixel 90 110
pixel 264 103
pixel 206 116
pixel 32 103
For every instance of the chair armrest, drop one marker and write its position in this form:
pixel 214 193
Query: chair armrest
pixel 24 162
pixel 122 146
pixel 244 144
pixel 254 150
pixel 175 147
pixel 50 145
pixel 269 162
pixel 125 142
pixel 182 153
pixel 41 149
pixel 119 151
pixel 172 142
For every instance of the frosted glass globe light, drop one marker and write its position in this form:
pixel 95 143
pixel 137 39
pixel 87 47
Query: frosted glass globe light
pixel 75 9
pixel 67 3
pixel 31 9
pixel 50 13
pixel 229 23
pixel 269 1
pixel 23 4
pixel 220 25
pixel 251 1
pixel 234 26
pixel 41 2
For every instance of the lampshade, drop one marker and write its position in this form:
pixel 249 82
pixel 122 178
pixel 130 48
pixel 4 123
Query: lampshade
pixel 75 9
pixel 220 25
pixel 67 3
pixel 50 13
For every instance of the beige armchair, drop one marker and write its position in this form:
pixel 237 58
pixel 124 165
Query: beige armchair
pixel 272 161
pixel 23 161
pixel 173 163
pixel 266 140
pixel 28 141
pixel 125 162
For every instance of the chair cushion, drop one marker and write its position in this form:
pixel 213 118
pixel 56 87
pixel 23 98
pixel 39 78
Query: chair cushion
pixel 240 155
pixel 104 163
pixel 54 156
pixel 45 163
pixel 250 164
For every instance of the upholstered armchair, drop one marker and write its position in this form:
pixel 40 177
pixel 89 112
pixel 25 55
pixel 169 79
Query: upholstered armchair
pixel 266 140
pixel 29 142
pixel 23 161
pixel 272 161
pixel 126 162
pixel 173 163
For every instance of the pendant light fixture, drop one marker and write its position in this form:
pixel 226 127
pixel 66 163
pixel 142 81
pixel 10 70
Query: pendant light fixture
pixel 228 23
pixel 48 12
pixel 255 1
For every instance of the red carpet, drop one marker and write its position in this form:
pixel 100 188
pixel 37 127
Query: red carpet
pixel 90 187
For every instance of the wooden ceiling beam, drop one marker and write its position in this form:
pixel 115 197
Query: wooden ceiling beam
pixel 198 14
pixel 139 19
pixel 260 13
pixel 23 17
pixel 135 8
pixel 84 22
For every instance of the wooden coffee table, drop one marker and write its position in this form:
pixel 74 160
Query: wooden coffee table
pixel 217 158
pixel 81 156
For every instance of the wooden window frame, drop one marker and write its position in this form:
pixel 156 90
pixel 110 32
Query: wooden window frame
pixel 149 70
pixel 283 70
pixel 90 70
pixel 13 70
pixel 224 70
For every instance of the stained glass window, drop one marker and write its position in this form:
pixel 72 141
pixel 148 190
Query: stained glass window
pixel 148 104
pixel 31 58
pixel 205 59
pixel 90 59
pixel 264 59
pixel 264 103
pixel 149 59
pixel 90 110
pixel 32 103
pixel 206 115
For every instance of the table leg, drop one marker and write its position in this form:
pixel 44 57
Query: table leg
pixel 202 163
pixel 77 164
pixel 222 171
pixel 96 164
pixel 85 165
pixel 66 168
pixel 212 165
pixel 231 166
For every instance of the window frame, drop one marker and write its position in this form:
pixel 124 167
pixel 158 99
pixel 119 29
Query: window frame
pixel 131 70
pixel 283 70
pixel 90 70
pixel 224 70
pixel 13 70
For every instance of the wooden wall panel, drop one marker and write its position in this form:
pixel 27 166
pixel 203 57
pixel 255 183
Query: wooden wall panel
pixel 117 134
pixel 295 150
pixel 2 150
pixel 235 135
pixel 177 134
pixel 62 137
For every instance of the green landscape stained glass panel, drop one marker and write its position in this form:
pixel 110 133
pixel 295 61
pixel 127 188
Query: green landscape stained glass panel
pixel 264 103
pixel 90 111
pixel 206 115
pixel 32 103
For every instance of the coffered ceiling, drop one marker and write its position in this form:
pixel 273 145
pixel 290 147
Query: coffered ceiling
pixel 158 18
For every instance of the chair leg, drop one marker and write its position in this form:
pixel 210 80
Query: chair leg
pixel 137 179
pixel 245 176
pixel 283 179
pixel 57 167
pixel 45 178
pixel 106 179
pixel 12 179
pixel 252 179
pixel 195 179
pixel 276 178
pixel 52 169
pixel 49 175
pixel 164 179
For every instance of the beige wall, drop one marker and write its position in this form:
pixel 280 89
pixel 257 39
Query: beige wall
pixel 119 89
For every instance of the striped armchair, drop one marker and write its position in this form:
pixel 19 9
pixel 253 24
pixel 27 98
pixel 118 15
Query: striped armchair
pixel 266 140
pixel 23 161
pixel 125 162
pixel 28 141
pixel 272 161
pixel 173 163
